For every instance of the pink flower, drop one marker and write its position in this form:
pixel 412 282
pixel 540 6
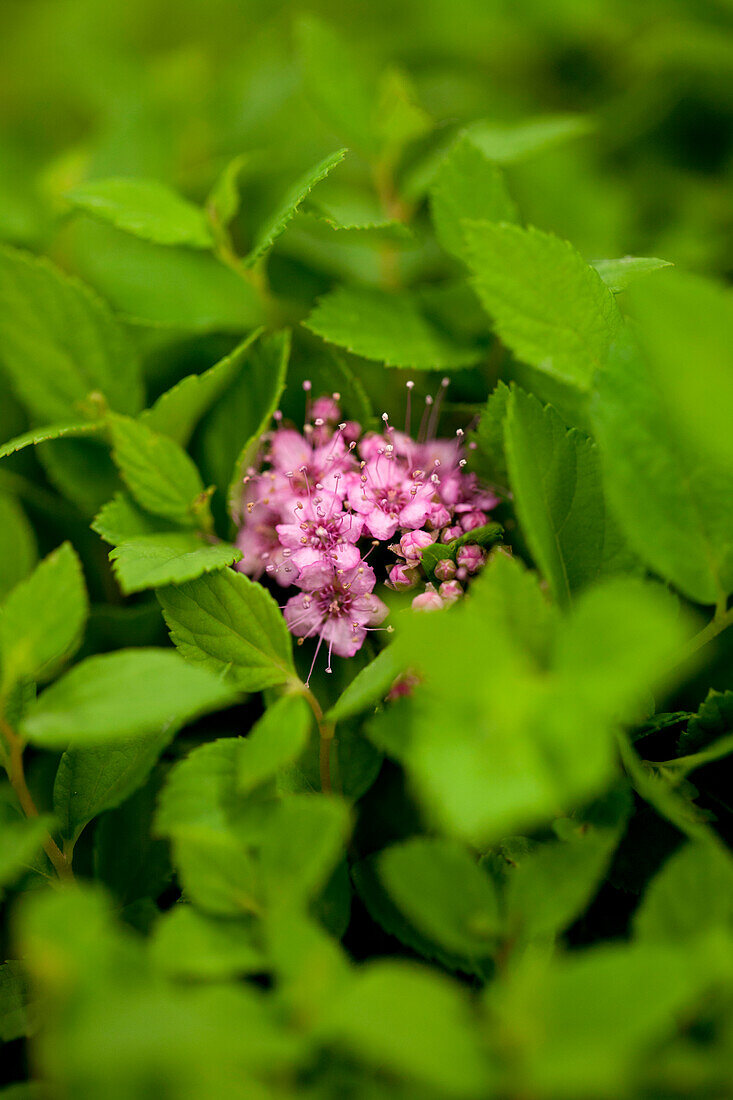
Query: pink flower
pixel 387 497
pixel 322 530
pixel 326 408
pixel 262 550
pixel 338 606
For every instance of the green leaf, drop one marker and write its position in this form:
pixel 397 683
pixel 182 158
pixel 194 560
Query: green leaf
pixel 617 274
pixel 121 519
pixel 270 364
pixel 43 619
pixel 146 209
pixel 675 509
pixel 386 326
pixel 684 319
pixel 490 459
pixel 287 207
pixel 178 410
pixel 555 479
pixel 151 284
pixel 157 471
pixel 303 840
pixel 690 896
pixel 200 792
pixel 368 687
pixel 187 944
pixel 496 736
pixel 50 432
pixel 513 142
pixel 399 118
pixel 414 1023
pixel 484 536
pixel 553 884
pixel 200 809
pixel 82 470
pixel 14 1002
pixel 713 720
pixel 151 561
pixel 549 306
pixel 116 696
pixel 222 204
pixel 579 1025
pixel 231 432
pixel 467 185
pixel 277 739
pixel 18 551
pixel 60 343
pixel 131 862
pixel 228 624
pixel 441 889
pixel 384 912
pixel 89 781
pixel 21 841
pixel 346 104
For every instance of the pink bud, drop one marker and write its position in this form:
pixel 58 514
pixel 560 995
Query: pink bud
pixel 445 570
pixel 450 533
pixel 471 557
pixel 450 591
pixel 472 520
pixel 401 577
pixel 403 685
pixel 429 600
pixel 413 543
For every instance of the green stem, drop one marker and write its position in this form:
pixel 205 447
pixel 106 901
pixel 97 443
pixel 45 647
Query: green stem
pixel 721 620
pixel 326 731
pixel 16 775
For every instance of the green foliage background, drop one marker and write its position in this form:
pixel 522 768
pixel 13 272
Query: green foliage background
pixel 523 884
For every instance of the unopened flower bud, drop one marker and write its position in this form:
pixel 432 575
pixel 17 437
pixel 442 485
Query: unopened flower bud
pixel 413 543
pixel 429 600
pixel 471 557
pixel 403 685
pixel 471 520
pixel 450 533
pixel 450 591
pixel 445 570
pixel 401 577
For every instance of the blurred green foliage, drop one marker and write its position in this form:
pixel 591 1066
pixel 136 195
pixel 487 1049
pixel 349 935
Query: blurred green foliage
pixel 519 891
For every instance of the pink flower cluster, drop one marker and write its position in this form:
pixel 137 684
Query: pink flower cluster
pixel 321 494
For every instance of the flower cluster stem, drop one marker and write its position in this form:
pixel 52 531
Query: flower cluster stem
pixel 326 732
pixel 16 775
